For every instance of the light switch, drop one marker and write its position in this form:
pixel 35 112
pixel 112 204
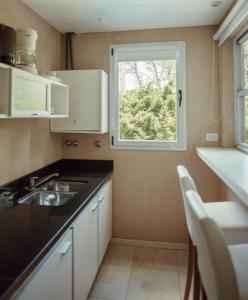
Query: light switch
pixel 212 137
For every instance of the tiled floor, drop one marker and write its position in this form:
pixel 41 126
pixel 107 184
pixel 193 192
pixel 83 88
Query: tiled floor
pixel 139 273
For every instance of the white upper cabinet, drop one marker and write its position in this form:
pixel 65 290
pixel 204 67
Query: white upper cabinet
pixel 24 95
pixel 88 105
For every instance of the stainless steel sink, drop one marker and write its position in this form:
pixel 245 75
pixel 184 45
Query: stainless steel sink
pixel 47 198
pixel 63 186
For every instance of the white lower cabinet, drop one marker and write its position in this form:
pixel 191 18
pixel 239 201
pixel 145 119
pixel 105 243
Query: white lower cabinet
pixel 104 218
pixel 85 235
pixel 53 279
pixel 92 232
pixel 69 270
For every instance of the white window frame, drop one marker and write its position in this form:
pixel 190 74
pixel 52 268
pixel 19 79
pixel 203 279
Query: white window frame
pixel 239 91
pixel 115 142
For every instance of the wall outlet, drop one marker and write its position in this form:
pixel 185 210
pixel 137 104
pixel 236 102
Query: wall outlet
pixel 212 137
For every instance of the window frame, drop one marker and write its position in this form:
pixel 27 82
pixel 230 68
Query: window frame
pixel 239 91
pixel 115 142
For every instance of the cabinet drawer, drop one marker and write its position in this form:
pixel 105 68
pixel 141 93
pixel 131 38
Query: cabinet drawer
pixel 53 278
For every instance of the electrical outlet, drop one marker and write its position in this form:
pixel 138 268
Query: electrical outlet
pixel 212 137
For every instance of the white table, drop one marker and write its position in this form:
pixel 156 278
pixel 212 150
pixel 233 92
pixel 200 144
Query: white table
pixel 230 165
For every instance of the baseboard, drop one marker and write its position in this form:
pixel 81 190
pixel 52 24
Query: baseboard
pixel 152 244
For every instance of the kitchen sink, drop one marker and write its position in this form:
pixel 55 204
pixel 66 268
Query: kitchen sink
pixel 47 198
pixel 64 186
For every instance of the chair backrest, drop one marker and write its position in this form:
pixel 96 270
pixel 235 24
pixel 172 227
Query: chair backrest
pixel 186 184
pixel 214 259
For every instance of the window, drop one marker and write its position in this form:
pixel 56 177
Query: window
pixel 147 92
pixel 242 90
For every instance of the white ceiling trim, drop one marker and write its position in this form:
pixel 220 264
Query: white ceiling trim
pixel 233 20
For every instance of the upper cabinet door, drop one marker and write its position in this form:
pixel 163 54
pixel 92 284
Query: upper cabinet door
pixel 30 94
pixel 88 102
pixel 26 95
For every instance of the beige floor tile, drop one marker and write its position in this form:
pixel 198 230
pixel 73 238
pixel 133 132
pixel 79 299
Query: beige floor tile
pixel 94 298
pixel 182 282
pixel 120 255
pixel 182 257
pixel 154 258
pixel 111 282
pixel 152 284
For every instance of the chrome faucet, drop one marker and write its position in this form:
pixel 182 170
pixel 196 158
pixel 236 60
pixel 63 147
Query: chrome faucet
pixel 34 182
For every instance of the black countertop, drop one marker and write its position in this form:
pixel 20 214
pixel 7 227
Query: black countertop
pixel 27 232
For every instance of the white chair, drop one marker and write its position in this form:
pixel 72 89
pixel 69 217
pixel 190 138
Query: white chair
pixel 223 268
pixel 231 216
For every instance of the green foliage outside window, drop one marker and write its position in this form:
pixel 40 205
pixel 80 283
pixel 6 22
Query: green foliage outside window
pixel 245 51
pixel 148 113
pixel 246 118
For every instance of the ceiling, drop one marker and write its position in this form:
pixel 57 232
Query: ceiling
pixel 114 15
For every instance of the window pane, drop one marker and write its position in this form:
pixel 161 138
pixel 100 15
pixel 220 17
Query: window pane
pixel 147 95
pixel 245 119
pixel 245 64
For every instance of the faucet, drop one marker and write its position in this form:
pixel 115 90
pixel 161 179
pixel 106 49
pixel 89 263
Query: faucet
pixel 34 182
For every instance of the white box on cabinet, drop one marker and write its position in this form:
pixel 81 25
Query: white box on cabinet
pixel 88 102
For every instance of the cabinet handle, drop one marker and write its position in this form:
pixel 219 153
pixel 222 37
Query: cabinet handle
pixel 180 94
pixel 101 199
pixel 94 207
pixel 65 248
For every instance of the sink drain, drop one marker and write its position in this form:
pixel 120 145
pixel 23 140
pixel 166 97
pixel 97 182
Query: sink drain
pixel 51 197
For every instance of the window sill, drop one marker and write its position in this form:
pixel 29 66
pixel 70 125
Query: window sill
pixel 148 148
pixel 230 165
pixel 243 148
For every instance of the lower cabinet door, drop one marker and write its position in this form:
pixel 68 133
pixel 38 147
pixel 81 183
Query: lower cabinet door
pixel 85 250
pixel 53 279
pixel 105 218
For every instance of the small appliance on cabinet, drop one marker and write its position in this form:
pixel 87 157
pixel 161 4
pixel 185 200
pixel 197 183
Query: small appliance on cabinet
pixel 7 44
